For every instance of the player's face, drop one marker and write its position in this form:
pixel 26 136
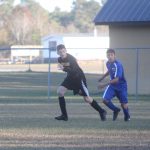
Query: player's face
pixel 62 53
pixel 111 57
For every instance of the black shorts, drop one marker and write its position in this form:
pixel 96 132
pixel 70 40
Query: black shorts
pixel 78 85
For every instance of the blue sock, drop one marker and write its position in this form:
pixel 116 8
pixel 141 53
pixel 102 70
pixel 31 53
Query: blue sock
pixel 126 112
pixel 112 106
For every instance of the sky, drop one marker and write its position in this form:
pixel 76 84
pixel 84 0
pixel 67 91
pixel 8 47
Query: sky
pixel 64 5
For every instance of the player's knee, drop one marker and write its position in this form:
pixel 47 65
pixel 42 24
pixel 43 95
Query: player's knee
pixel 105 101
pixel 88 99
pixel 60 92
pixel 124 105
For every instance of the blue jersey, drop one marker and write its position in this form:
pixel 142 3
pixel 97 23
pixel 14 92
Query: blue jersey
pixel 115 70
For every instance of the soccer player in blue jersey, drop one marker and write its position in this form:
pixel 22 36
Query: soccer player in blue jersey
pixel 117 86
pixel 75 81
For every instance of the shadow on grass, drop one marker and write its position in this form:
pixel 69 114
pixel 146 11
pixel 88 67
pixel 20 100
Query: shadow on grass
pixel 77 148
pixel 73 123
pixel 81 116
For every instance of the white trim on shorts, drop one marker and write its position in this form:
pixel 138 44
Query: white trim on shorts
pixel 85 88
pixel 106 91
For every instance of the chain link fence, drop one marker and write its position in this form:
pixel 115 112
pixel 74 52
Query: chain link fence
pixel 27 69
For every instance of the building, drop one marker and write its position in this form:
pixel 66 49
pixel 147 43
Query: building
pixel 128 21
pixel 129 33
pixel 25 53
pixel 81 46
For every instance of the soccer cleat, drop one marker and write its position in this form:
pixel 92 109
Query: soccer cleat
pixel 62 117
pixel 115 114
pixel 103 115
pixel 127 118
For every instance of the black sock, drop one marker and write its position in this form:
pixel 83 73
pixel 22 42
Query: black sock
pixel 62 105
pixel 97 107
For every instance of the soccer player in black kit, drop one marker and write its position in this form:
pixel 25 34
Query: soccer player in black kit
pixel 76 81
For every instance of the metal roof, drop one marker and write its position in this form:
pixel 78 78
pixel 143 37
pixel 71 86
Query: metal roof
pixel 124 12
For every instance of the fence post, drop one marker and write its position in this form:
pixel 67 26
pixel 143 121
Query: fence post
pixel 52 47
pixel 137 73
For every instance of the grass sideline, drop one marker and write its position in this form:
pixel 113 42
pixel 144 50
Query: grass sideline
pixel 27 118
pixel 32 87
pixel 32 126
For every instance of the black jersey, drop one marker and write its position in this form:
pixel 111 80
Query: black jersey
pixel 71 67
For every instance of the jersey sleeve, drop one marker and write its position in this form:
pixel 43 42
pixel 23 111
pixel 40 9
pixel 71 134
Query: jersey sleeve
pixel 73 69
pixel 58 60
pixel 118 70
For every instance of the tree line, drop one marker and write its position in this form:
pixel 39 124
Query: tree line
pixel 27 23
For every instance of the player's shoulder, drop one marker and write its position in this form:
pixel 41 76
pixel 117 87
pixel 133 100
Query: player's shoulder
pixel 59 59
pixel 70 56
pixel 107 62
pixel 118 63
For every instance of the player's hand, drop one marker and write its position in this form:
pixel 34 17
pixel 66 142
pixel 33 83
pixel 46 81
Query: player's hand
pixel 60 67
pixel 101 85
pixel 99 80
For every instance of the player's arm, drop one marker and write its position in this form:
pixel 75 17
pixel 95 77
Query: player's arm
pixel 113 81
pixel 60 66
pixel 73 66
pixel 104 76
pixel 118 74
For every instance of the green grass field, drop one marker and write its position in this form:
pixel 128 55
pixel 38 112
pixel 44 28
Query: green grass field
pixel 27 118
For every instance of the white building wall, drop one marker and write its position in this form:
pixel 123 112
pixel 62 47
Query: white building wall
pixel 25 51
pixel 20 52
pixel 83 48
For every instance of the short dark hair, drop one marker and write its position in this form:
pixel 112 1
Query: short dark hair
pixel 60 46
pixel 110 50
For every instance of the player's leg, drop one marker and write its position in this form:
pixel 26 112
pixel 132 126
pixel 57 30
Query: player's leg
pixel 125 111
pixel 62 103
pixel 122 96
pixel 84 92
pixel 96 106
pixel 108 95
pixel 67 84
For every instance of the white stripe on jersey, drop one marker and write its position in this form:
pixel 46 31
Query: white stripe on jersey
pixel 105 91
pixel 116 70
pixel 85 88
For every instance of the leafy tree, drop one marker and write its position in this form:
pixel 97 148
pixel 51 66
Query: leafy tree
pixel 40 19
pixel 84 12
pixel 23 24
pixel 80 18
pixel 5 11
pixel 62 19
pixel 28 22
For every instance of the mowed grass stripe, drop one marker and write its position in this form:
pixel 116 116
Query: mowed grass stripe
pixel 33 126
pixel 27 118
